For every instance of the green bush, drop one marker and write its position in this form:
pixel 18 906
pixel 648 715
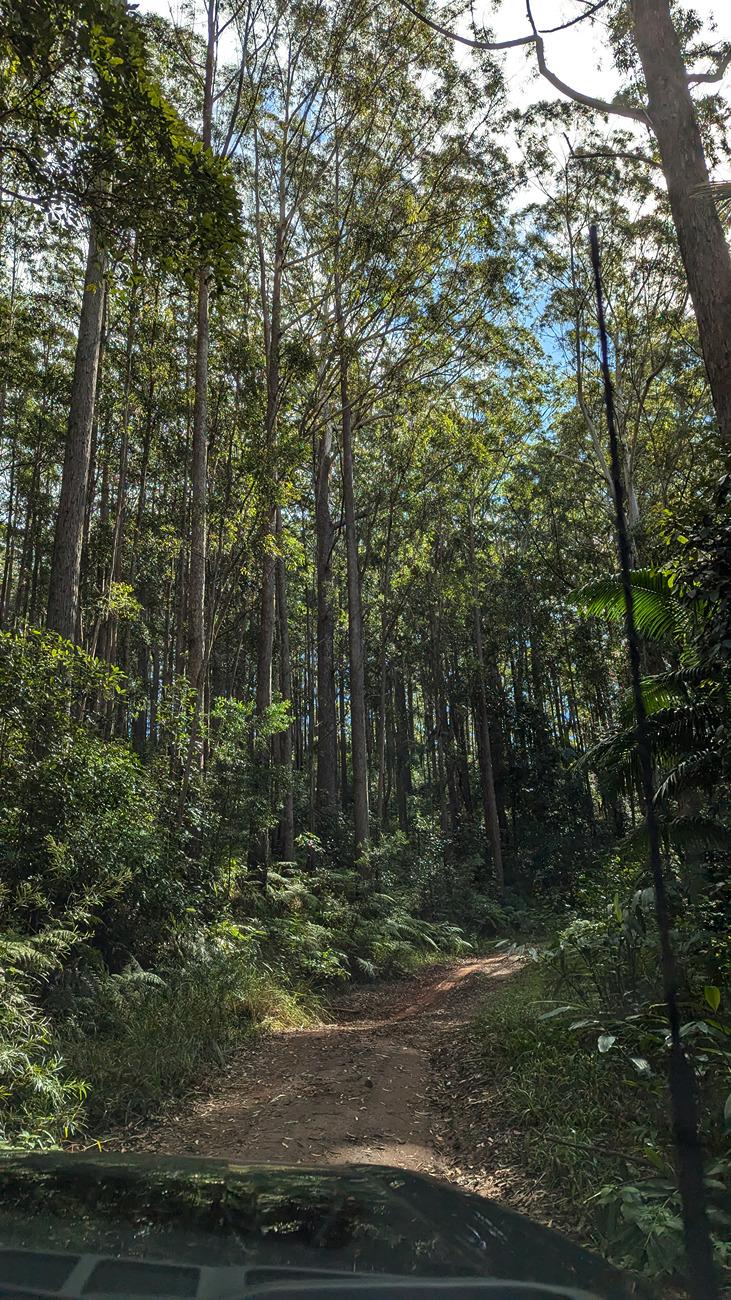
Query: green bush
pixel 139 1038
pixel 39 1100
pixel 137 949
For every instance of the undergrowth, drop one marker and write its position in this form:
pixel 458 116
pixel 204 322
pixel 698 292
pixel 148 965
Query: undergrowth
pixel 579 1059
pixel 84 1048
pixel 136 946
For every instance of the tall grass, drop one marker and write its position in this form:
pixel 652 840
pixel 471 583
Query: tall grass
pixel 151 1038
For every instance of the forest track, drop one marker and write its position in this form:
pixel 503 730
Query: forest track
pixel 357 1089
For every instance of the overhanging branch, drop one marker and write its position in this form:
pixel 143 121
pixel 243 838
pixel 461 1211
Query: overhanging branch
pixel 716 74
pixel 465 40
pixel 599 105
pixel 535 38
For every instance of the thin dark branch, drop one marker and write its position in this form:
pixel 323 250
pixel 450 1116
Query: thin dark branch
pixel 582 155
pixel 600 4
pixel 536 39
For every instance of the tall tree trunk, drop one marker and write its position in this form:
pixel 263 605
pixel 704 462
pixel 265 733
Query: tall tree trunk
pixel 260 846
pixel 444 734
pixel 286 823
pixel 487 773
pixel 115 568
pixel 327 735
pixel 9 539
pixel 356 646
pixel 701 238
pixel 199 455
pixel 382 675
pixel 342 727
pixel 403 753
pixel 63 598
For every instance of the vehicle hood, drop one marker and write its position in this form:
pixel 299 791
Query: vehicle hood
pixel 359 1218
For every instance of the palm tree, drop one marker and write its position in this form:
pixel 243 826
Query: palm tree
pixel 688 706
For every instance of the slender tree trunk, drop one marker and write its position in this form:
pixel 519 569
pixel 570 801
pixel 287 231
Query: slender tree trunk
pixel 382 678
pixel 356 646
pixel 199 455
pixel 9 540
pixel 198 494
pixel 381 741
pixel 342 729
pixel 327 735
pixel 489 800
pixel 701 238
pixel 286 824
pixel 445 738
pixel 63 598
pixel 403 754
pixel 260 848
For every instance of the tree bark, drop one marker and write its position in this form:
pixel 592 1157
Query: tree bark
pixel 199 454
pixel 327 735
pixel 701 238
pixel 403 752
pixel 489 801
pixel 356 646
pixel 286 821
pixel 487 772
pixel 63 597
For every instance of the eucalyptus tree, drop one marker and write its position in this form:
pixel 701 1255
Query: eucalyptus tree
pixel 408 285
pixel 118 154
pixel 655 49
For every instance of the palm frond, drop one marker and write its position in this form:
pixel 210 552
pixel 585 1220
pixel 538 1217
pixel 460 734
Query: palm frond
pixel 693 831
pixel 683 729
pixel 657 612
pixel 696 769
pixel 719 191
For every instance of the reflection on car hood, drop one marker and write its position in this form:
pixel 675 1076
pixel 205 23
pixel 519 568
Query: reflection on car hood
pixel 207 1212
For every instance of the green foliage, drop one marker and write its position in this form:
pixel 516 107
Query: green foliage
pixel 581 1044
pixel 136 951
pixel 657 611
pixel 80 820
pixel 688 705
pixel 141 1037
pixel 584 1099
pixel 40 1100
pixel 91 125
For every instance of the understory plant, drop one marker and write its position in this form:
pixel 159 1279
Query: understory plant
pixel 586 1054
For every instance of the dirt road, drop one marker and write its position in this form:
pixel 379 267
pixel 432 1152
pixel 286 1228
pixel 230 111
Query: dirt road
pixel 356 1089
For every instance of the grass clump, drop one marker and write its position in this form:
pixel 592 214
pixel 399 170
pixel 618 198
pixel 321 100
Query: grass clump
pixel 139 1038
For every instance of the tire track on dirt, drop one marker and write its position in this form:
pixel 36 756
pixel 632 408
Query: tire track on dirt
pixel 357 1089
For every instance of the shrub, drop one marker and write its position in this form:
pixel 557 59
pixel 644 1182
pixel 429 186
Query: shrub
pixel 580 1045
pixel 39 1101
pixel 141 1037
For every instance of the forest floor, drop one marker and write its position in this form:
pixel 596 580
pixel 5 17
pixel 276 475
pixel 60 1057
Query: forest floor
pixel 370 1085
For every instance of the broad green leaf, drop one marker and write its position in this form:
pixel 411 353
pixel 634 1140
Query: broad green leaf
pixel 712 994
